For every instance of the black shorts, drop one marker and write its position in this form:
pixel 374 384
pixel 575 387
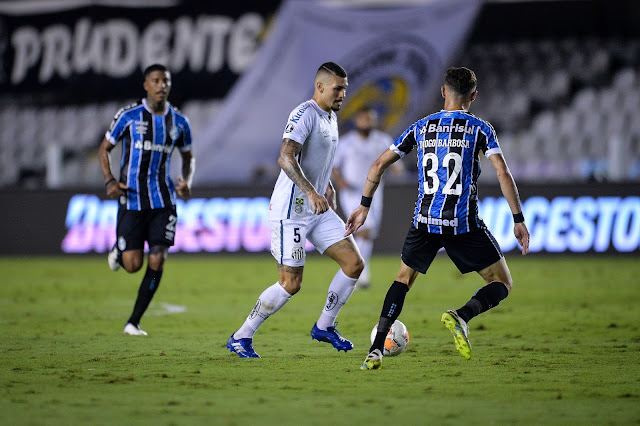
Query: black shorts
pixel 156 226
pixel 471 251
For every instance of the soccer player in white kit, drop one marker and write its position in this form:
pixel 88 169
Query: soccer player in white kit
pixel 358 149
pixel 299 211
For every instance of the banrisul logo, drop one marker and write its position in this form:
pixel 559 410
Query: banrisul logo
pixel 393 74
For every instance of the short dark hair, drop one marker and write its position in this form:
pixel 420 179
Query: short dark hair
pixel 155 67
pixel 333 68
pixel 462 80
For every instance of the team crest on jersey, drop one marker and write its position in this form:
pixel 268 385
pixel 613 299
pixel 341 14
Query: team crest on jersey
pixel 122 243
pixel 141 126
pixel 289 127
pixel 299 205
pixel 173 133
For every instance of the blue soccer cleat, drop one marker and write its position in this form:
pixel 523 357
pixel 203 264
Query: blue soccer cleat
pixel 243 347
pixel 331 335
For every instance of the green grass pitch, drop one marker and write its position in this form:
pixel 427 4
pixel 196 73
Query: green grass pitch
pixel 564 348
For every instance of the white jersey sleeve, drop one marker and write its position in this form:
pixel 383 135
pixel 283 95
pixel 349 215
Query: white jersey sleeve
pixel 300 123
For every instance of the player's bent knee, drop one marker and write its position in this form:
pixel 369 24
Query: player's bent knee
pixel 291 286
pixel 132 262
pixel 157 256
pixel 354 269
pixel 132 266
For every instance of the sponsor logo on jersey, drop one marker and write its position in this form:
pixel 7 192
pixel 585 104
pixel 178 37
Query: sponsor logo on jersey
pixel 437 128
pixel 141 127
pixel 428 220
pixel 289 127
pixel 295 117
pixel 148 146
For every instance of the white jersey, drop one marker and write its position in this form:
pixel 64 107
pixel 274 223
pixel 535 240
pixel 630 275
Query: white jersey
pixel 356 154
pixel 317 131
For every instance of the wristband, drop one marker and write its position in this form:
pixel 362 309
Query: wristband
pixel 366 201
pixel 518 217
pixel 109 181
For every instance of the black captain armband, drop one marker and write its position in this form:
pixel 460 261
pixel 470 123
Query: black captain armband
pixel 109 181
pixel 518 217
pixel 366 201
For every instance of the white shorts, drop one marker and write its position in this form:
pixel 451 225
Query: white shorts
pixel 350 200
pixel 289 236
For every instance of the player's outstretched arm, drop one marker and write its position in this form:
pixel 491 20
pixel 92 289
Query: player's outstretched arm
pixel 289 150
pixel 510 192
pixel 359 215
pixel 188 169
pixel 112 186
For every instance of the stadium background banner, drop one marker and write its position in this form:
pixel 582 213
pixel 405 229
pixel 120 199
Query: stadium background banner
pixel 395 59
pixel 78 51
pixel 589 218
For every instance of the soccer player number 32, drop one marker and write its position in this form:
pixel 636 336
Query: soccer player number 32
pixel 430 164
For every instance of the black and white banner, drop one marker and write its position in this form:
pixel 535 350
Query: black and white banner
pixel 82 51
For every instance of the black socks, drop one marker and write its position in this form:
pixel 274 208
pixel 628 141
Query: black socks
pixel 390 311
pixel 485 298
pixel 149 285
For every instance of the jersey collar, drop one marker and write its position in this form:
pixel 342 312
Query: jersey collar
pixel 166 108
pixel 320 110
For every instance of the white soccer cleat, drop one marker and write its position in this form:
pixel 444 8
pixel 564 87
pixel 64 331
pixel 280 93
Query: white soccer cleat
pixel 133 330
pixel 112 258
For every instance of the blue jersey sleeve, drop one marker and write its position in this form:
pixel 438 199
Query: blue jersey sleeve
pixel 405 143
pixel 492 146
pixel 184 142
pixel 118 126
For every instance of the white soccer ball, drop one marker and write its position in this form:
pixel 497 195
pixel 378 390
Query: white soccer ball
pixel 397 340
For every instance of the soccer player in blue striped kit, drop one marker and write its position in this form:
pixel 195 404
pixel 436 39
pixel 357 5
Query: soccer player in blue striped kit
pixel 150 130
pixel 448 144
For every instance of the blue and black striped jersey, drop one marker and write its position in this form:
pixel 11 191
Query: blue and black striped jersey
pixel 148 142
pixel 448 147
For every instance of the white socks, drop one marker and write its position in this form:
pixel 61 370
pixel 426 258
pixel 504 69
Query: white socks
pixel 366 247
pixel 339 292
pixel 272 299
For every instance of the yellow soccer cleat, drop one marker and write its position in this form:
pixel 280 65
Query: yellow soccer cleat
pixel 373 361
pixel 458 327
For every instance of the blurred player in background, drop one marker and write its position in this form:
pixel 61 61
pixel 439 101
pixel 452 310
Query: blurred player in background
pixel 446 213
pixel 302 207
pixel 150 130
pixel 357 150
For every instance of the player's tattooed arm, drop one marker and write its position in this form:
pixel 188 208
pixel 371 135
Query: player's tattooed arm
pixel 287 161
